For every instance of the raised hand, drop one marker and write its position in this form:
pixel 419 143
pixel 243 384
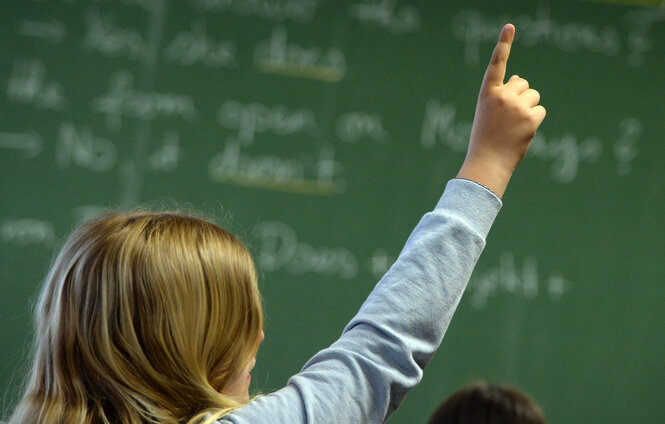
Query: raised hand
pixel 507 117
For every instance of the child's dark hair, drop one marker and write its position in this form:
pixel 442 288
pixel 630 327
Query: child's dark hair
pixel 483 403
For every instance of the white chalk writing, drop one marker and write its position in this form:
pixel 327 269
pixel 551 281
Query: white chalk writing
pixel 639 43
pixel 379 262
pixel 167 156
pixel 278 55
pixel 123 100
pixel 24 232
pixel 473 28
pixel 440 124
pixel 626 148
pixel 196 46
pixel 231 163
pixel 105 37
pixel 28 84
pixel 300 11
pixel 30 143
pixel 280 249
pixel 52 31
pixel 354 126
pixel 509 278
pixel 385 13
pixel 255 118
pixel 302 175
pixel 566 153
pixel 78 146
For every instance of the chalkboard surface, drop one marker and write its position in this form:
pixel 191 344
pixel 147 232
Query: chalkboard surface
pixel 320 132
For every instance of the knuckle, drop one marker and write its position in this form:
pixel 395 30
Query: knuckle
pixel 537 116
pixel 500 99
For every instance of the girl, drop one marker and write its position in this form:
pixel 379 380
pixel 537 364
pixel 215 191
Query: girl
pixel 156 317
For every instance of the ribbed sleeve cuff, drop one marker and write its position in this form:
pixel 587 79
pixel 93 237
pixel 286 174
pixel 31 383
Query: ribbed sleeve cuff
pixel 473 202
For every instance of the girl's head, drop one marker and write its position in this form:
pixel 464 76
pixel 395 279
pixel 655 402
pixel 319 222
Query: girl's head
pixel 144 317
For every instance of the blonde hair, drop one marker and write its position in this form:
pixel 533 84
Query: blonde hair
pixel 143 318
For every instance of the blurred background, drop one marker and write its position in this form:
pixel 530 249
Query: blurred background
pixel 320 132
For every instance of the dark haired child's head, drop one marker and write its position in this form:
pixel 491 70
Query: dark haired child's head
pixel 483 403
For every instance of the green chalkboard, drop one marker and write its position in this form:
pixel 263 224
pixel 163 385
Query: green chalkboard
pixel 320 131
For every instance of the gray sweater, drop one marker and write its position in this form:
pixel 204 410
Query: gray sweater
pixel 365 375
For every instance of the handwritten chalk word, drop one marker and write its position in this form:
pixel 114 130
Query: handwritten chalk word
pixel 440 124
pixel 110 40
pixel 122 100
pixel 52 30
pixel 509 278
pixel 355 126
pixel 473 28
pixel 303 175
pixel 78 146
pixel 30 143
pixel 166 158
pixel 196 46
pixel 299 11
pixel 255 118
pixel 230 163
pixel 278 56
pixel 28 84
pixel 280 249
pixel 566 152
pixel 384 13
pixel 25 232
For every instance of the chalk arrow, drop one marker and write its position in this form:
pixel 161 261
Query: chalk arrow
pixel 29 142
pixel 53 30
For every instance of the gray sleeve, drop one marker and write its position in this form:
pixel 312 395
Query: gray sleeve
pixel 365 375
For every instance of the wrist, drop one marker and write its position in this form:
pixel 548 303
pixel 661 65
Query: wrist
pixel 489 174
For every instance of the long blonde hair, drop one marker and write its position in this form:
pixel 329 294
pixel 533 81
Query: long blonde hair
pixel 143 318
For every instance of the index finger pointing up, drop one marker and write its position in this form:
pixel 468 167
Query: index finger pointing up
pixel 496 70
